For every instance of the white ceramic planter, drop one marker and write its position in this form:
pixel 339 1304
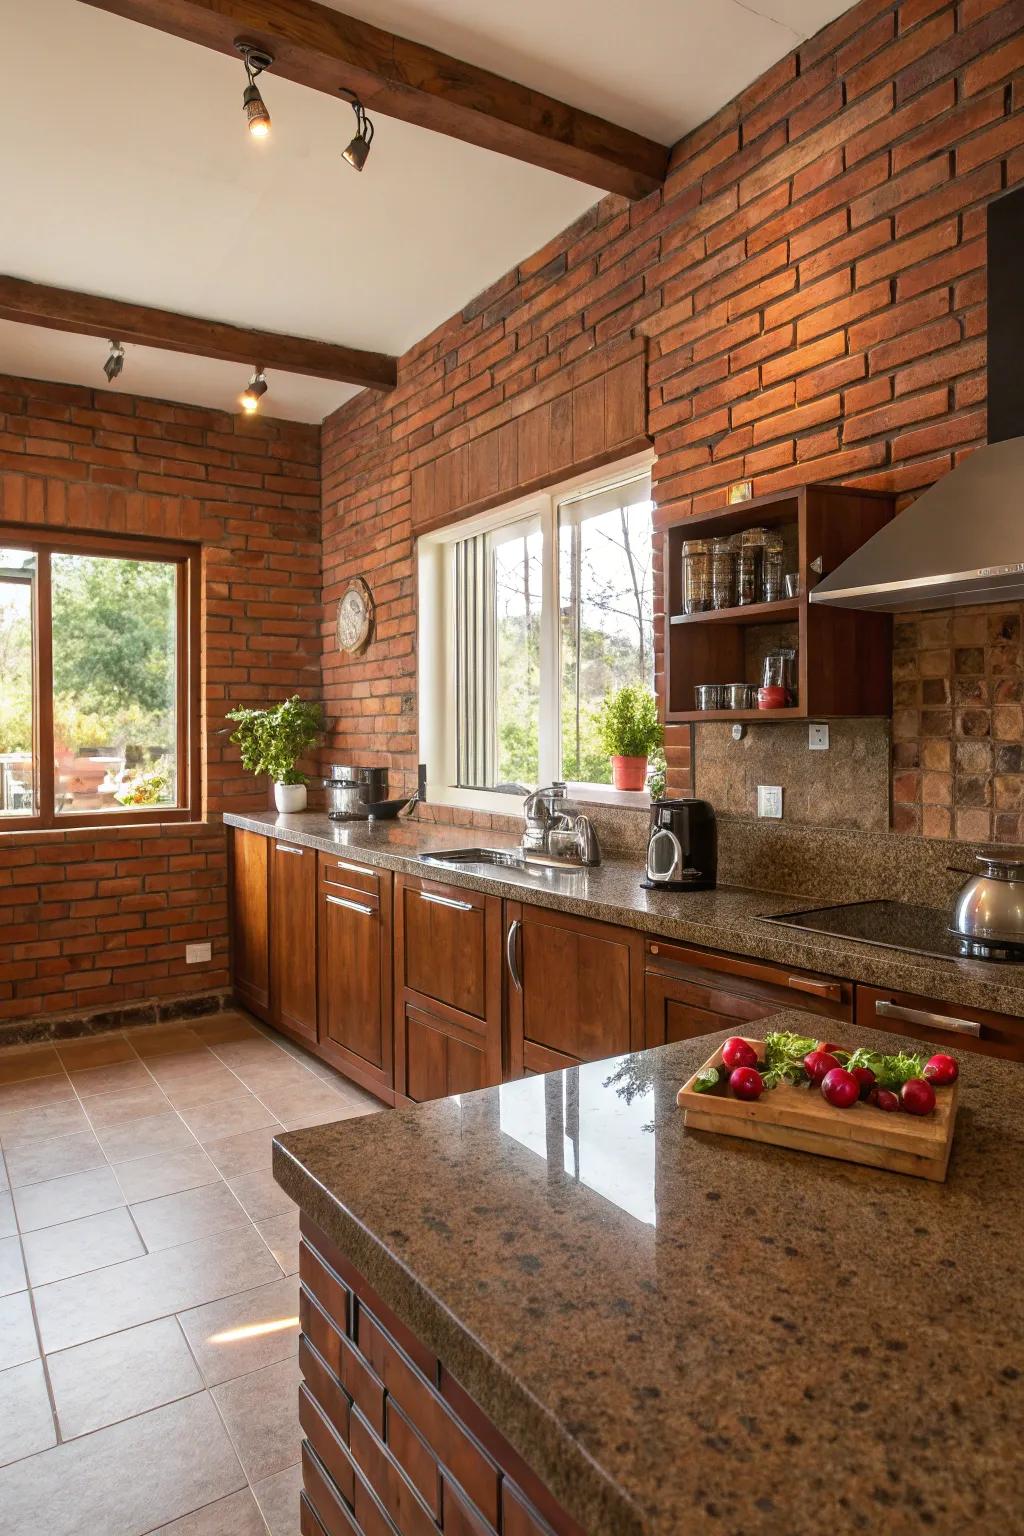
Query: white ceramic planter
pixel 290 797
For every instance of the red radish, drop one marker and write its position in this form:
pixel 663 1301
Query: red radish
pixel 886 1099
pixel 840 1088
pixel 737 1052
pixel 828 1046
pixel 817 1063
pixel 866 1078
pixel 941 1070
pixel 917 1097
pixel 746 1083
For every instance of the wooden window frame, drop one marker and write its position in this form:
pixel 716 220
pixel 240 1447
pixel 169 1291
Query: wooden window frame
pixel 187 558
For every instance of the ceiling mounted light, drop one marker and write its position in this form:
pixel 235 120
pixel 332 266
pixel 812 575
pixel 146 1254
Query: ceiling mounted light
pixel 357 152
pixel 256 60
pixel 253 393
pixel 115 362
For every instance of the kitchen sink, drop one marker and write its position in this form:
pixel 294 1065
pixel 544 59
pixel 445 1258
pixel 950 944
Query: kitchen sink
pixel 490 860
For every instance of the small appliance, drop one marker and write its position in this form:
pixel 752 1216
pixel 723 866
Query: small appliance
pixel 351 792
pixel 682 847
pixel 988 912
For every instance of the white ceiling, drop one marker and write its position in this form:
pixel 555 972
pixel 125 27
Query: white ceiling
pixel 125 170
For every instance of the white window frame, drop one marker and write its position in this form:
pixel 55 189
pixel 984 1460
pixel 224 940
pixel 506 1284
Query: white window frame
pixel 436 646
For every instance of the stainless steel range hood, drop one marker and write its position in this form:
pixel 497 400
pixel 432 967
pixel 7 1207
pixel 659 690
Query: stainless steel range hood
pixel 962 541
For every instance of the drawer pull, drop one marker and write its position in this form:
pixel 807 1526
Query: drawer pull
pixel 353 906
pixel 446 901
pixel 830 990
pixel 510 953
pixel 290 848
pixel 353 869
pixel 888 1010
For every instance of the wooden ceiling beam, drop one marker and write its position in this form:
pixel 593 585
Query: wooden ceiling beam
pixel 322 48
pixel 87 314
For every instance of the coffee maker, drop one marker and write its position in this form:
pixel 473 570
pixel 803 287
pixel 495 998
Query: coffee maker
pixel 682 846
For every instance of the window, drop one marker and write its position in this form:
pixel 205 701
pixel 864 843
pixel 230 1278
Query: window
pixel 98 680
pixel 529 616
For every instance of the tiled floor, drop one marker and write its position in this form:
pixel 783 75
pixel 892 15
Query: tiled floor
pixel 148 1294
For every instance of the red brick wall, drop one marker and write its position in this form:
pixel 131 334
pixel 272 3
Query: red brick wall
pixel 90 920
pixel 812 284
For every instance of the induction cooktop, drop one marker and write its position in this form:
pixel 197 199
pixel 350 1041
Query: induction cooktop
pixel 896 925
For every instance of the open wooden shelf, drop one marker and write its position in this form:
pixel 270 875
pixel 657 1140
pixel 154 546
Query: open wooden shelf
pixel 844 658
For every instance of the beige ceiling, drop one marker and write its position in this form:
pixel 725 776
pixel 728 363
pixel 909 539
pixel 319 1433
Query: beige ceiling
pixel 126 170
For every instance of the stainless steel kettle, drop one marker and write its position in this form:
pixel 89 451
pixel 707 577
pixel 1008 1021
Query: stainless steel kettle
pixel 991 905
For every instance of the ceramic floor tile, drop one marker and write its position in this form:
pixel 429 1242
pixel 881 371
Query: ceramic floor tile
pixel 18 1126
pixel 181 1454
pixel 12 1268
pixel 74 1247
pixel 281 1235
pixel 246 1332
pixel 164 1040
pixel 260 1195
pixel 5 1182
pixel 140 1290
pixel 109 1110
pixel 147 1178
pixel 57 1200
pixel 300 1119
pixel 8 1225
pixel 261 1414
pixel 35 1161
pixel 219 1028
pixel 119 1077
pixel 34 1091
pixel 100 1051
pixel 184 1217
pixel 237 1515
pixel 18 1341
pixel 278 1499
pixel 26 1419
pixel 242 1153
pixel 213 1120
pixel 200 1088
pixel 20 1062
pixel 112 1378
pixel 151 1137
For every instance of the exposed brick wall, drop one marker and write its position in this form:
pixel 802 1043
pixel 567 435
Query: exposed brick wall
pixel 96 919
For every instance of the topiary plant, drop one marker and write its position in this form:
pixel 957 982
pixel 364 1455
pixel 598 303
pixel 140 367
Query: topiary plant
pixel 628 723
pixel 273 740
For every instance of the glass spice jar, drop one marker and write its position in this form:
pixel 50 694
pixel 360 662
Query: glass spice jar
pixel 749 563
pixel 696 576
pixel 773 572
pixel 723 574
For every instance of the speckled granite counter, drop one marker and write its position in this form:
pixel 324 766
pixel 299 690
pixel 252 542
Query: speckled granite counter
pixel 688 1333
pixel 723 919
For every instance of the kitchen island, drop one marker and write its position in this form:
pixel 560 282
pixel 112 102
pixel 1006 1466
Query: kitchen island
pixel 645 1329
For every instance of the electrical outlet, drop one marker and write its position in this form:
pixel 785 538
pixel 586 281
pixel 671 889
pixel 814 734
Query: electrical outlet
pixel 195 954
pixel 769 801
pixel 817 738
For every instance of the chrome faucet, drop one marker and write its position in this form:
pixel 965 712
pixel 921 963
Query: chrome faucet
pixel 551 831
pixel 543 810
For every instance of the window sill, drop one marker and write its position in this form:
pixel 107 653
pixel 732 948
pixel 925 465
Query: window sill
pixel 512 805
pixel 25 830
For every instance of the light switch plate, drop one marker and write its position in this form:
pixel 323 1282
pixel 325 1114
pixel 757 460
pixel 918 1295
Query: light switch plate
pixel 195 954
pixel 769 801
pixel 817 737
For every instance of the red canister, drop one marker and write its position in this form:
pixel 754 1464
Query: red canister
pixel 772 698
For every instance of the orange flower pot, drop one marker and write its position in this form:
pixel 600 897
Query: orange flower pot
pixel 629 772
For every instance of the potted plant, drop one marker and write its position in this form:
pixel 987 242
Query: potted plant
pixel 273 740
pixel 630 731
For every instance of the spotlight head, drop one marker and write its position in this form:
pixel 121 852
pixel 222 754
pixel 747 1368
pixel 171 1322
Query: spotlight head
pixel 115 362
pixel 253 393
pixel 256 60
pixel 358 150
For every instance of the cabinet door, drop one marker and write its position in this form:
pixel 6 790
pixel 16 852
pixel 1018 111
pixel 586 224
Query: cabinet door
pixel 250 919
pixel 574 989
pixel 444 944
pixel 293 938
pixel 953 1026
pixel 441 1058
pixel 354 942
pixel 677 1011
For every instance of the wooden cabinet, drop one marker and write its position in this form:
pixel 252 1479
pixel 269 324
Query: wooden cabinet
pixel 959 1027
pixel 690 991
pixel 354 971
pixel 293 939
pixel 249 884
pixel 447 989
pixel 574 988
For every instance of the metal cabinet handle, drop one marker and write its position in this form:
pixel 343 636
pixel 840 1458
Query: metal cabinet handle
pixel 446 901
pixel 353 906
pixel 353 869
pixel 827 989
pixel 887 1010
pixel 290 848
pixel 510 953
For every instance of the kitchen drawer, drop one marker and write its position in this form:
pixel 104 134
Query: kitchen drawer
pixel 444 944
pixel 357 877
pixel 951 1024
pixel 728 984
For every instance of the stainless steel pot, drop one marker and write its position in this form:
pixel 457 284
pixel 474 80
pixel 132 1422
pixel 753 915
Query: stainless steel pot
pixel 351 791
pixel 991 905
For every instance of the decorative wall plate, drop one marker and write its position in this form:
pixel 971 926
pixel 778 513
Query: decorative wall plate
pixel 355 617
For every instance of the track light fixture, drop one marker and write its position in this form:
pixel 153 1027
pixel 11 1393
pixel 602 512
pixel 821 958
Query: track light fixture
pixel 256 60
pixel 357 152
pixel 253 392
pixel 115 362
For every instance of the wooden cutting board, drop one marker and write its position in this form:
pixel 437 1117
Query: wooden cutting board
pixel 801 1119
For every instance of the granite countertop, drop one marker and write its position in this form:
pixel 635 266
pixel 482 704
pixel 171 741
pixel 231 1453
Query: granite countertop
pixel 724 919
pixel 683 1332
